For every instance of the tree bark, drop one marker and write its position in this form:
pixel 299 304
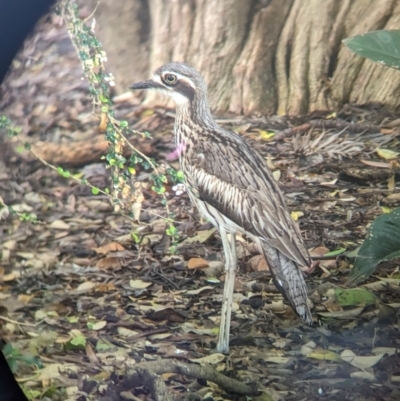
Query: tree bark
pixel 124 28
pixel 257 56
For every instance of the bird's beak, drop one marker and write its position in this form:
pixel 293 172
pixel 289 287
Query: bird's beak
pixel 150 84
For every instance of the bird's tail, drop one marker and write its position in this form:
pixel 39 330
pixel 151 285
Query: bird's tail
pixel 289 279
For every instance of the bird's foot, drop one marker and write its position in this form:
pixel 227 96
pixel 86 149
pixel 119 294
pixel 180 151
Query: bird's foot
pixel 221 348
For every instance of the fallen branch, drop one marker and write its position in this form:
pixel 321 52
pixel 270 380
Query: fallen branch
pixel 148 374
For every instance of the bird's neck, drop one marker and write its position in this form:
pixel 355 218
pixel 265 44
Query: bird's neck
pixel 195 112
pixel 191 124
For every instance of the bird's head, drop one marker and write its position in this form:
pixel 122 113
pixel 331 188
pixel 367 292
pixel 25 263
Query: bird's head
pixel 182 83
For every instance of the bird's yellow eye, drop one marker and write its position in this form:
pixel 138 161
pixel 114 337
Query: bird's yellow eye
pixel 169 79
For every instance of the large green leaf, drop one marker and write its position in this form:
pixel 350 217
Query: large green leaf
pixel 380 46
pixel 382 243
pixel 354 297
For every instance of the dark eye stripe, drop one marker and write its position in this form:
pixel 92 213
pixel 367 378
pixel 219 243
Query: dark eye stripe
pixel 185 89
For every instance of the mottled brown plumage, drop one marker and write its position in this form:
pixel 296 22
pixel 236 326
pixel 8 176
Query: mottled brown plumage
pixel 232 186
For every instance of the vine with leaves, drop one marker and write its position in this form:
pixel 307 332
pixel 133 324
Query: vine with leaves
pixel 126 193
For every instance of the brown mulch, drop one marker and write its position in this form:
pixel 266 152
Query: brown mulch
pixel 80 292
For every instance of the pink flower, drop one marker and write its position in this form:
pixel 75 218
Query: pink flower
pixel 177 152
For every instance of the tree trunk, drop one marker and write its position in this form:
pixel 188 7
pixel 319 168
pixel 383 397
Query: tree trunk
pixel 257 56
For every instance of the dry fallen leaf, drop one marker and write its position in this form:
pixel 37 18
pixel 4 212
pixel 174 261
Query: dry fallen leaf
pixel 211 359
pixel 108 263
pixel 389 351
pixel 363 375
pixel 392 183
pixel 375 164
pixel 296 215
pixel 26 298
pixel 387 154
pixel 319 251
pixel 98 325
pixel 277 175
pixel 105 287
pixel 59 225
pixel 200 237
pixel 345 314
pixel 324 355
pixel 197 263
pixel 241 129
pixel 125 332
pixel 199 290
pixel 257 263
pixel 361 362
pixel 139 284
pixel 10 276
pixel 110 247
pixel 86 286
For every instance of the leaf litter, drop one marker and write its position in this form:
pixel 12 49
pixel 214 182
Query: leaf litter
pixel 77 291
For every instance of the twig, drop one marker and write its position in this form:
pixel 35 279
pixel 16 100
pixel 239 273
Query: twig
pixel 6 319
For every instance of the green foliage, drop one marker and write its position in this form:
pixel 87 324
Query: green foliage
pixel 124 191
pixel 176 176
pixel 136 238
pixel 64 173
pixel 5 123
pixel 381 244
pixel 336 252
pixel 171 231
pixel 77 342
pixel 383 239
pixel 380 46
pixel 14 358
pixel 159 181
pixel 28 217
pixel 354 297
pixel 93 59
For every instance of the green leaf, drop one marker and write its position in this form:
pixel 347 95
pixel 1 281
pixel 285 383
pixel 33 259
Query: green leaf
pixel 380 46
pixel 354 297
pixel 60 170
pixel 32 360
pixel 32 394
pixel 78 341
pixel 158 190
pixel 171 231
pixel 8 350
pixel 104 99
pixel 95 190
pixel 352 254
pixel 135 237
pixel 102 345
pixel 381 244
pixel 335 252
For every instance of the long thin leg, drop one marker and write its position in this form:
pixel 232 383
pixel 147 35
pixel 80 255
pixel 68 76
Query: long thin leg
pixel 229 244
